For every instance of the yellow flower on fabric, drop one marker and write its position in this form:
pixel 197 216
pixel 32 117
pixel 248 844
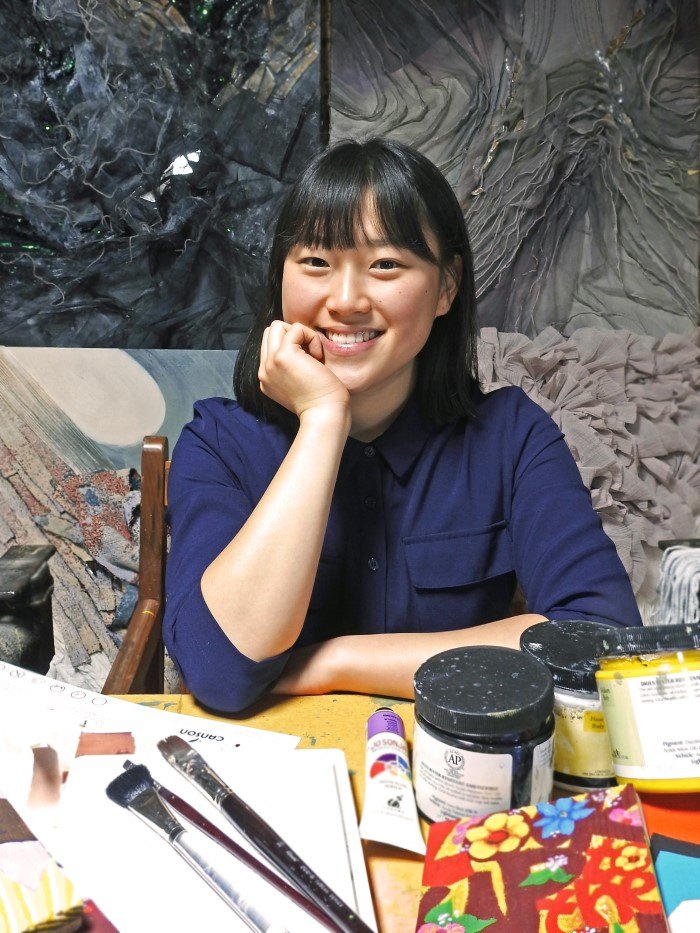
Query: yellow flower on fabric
pixel 631 858
pixel 500 832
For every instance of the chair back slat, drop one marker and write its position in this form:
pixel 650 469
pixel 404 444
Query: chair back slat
pixel 152 542
pixel 139 664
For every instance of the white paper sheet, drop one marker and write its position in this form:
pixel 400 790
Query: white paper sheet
pixel 95 712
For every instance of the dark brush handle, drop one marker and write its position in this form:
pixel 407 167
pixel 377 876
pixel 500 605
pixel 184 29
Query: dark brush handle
pixel 271 845
pixel 201 822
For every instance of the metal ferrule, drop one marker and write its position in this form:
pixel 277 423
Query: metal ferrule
pixel 150 808
pixel 190 763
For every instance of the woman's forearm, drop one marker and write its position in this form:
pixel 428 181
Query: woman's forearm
pixel 384 664
pixel 258 588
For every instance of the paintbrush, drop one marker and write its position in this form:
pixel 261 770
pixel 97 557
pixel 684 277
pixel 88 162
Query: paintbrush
pixel 201 822
pixel 259 833
pixel 134 791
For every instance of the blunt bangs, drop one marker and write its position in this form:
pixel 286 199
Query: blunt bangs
pixel 327 208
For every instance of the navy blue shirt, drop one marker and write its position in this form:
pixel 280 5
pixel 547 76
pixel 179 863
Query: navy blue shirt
pixel 429 529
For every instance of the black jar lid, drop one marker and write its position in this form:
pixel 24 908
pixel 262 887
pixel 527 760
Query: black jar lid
pixel 570 648
pixel 653 638
pixel 483 691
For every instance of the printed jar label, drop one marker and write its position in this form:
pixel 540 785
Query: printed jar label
pixel 542 768
pixel 653 724
pixel 582 748
pixel 453 782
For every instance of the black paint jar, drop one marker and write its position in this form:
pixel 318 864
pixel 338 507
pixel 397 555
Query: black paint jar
pixel 483 735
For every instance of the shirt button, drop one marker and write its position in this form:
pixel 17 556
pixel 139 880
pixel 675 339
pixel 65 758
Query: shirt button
pixel 373 563
pixel 370 502
pixel 369 451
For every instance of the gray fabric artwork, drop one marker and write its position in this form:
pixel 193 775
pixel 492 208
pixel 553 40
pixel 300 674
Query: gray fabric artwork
pixel 629 408
pixel 569 131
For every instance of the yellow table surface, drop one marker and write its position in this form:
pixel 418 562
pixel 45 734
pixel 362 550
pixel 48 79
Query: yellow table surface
pixel 336 721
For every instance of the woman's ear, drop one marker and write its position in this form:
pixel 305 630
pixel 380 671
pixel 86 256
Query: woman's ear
pixel 451 278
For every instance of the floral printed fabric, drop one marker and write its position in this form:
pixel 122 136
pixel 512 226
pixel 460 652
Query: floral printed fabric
pixel 575 865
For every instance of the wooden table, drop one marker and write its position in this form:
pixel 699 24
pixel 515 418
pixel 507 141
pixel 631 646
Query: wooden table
pixel 336 721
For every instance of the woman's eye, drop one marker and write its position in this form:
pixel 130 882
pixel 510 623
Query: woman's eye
pixel 386 265
pixel 315 262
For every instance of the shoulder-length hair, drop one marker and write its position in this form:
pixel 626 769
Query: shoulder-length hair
pixel 410 197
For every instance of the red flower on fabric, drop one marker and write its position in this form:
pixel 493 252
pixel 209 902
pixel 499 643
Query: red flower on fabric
pixel 610 889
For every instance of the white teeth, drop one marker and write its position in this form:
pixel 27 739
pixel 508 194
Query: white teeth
pixel 358 337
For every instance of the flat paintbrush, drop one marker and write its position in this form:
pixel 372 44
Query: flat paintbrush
pixel 133 790
pixel 198 819
pixel 260 834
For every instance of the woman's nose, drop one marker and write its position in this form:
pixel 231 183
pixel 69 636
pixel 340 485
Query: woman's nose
pixel 347 293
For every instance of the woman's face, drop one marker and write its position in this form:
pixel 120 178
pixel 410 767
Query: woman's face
pixel 373 307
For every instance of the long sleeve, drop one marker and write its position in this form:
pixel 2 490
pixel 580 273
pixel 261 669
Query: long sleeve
pixel 207 506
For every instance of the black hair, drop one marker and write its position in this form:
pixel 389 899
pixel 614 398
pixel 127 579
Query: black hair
pixel 410 196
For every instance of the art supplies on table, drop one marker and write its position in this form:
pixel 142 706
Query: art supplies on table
pixel 200 821
pixel 649 686
pixel 135 791
pixel 571 648
pixel 260 834
pixel 577 863
pixel 61 747
pixel 305 794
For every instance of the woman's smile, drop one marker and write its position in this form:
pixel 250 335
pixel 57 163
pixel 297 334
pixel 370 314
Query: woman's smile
pixel 347 342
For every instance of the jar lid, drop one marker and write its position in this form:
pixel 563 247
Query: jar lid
pixel 651 638
pixel 570 648
pixel 483 691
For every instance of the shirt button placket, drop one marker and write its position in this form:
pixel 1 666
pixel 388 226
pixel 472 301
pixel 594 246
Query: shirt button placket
pixel 374 538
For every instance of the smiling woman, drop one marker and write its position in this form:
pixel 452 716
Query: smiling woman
pixel 363 505
pixel 373 307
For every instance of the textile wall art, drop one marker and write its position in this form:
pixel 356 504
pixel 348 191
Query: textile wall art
pixel 569 130
pixel 144 145
pixel 71 424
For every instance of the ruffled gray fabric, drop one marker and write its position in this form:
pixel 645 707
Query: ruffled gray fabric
pixel 629 408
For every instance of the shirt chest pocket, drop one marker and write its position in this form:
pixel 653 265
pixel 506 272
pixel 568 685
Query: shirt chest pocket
pixel 453 559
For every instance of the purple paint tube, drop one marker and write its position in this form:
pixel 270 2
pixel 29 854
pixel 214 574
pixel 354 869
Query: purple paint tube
pixel 389 813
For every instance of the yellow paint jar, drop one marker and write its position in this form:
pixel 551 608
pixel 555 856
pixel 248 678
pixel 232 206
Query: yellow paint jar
pixel 651 704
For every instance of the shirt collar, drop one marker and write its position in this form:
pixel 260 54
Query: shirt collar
pixel 400 445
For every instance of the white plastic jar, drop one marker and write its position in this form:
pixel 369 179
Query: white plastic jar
pixel 570 649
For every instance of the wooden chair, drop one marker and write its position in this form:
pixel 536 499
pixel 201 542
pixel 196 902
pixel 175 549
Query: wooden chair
pixel 139 664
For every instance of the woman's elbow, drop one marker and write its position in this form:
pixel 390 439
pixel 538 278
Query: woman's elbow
pixel 233 695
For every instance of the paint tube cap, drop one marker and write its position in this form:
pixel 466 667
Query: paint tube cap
pixel 484 691
pixel 653 638
pixel 385 720
pixel 570 648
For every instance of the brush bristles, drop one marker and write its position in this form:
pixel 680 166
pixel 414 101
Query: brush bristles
pixel 126 787
pixel 174 747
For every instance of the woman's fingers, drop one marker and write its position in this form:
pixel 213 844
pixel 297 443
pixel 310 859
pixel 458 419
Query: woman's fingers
pixel 292 370
pixel 263 348
pixel 281 336
pixel 302 336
